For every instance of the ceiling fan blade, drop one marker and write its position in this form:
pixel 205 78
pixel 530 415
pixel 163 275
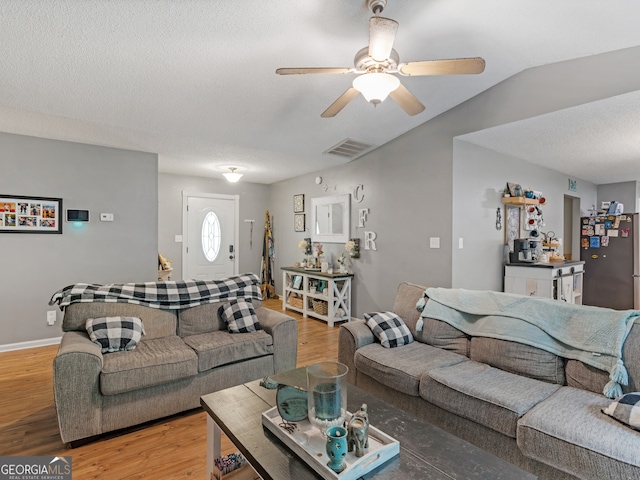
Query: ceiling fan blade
pixel 454 66
pixel 407 100
pixel 340 103
pixel 382 33
pixel 297 71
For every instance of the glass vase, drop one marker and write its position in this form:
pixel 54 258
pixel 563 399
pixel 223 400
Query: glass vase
pixel 327 387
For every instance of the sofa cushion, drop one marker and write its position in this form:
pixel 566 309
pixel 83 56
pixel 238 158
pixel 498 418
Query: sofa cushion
pixel 442 335
pixel 115 334
pixel 626 409
pixel 518 358
pixel 583 376
pixel 488 396
pixel 153 362
pixel 404 304
pixel 389 329
pixel 402 368
pixel 200 319
pixel 219 348
pixel 569 431
pixel 239 316
pixel 157 323
pixel 586 377
pixel 204 318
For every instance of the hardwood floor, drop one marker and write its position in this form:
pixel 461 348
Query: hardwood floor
pixel 170 448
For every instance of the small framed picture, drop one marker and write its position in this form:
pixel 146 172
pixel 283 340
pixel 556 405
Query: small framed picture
pixel 299 222
pixel 296 283
pixel 298 203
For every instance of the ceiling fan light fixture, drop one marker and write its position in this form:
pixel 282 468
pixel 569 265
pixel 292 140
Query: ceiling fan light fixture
pixel 376 87
pixel 232 176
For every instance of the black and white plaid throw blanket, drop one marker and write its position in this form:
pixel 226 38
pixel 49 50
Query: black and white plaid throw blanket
pixel 168 295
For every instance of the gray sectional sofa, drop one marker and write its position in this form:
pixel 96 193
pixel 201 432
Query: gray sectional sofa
pixel 525 405
pixel 182 355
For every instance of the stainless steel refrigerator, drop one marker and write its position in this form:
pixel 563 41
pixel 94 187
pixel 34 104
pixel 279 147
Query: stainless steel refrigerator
pixel 609 248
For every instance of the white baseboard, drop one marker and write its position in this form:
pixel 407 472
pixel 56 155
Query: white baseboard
pixel 30 344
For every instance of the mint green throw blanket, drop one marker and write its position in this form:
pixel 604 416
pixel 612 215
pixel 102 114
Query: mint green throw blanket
pixel 592 335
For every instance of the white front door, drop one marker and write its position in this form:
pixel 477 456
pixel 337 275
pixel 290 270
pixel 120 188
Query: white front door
pixel 210 233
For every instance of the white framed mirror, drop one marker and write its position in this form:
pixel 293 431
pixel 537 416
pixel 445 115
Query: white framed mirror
pixel 330 219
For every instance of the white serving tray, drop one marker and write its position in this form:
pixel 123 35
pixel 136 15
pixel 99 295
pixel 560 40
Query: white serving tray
pixel 307 442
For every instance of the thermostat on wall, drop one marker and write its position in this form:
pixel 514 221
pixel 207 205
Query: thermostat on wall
pixel 77 215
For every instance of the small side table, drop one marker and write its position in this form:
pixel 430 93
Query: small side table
pixel 164 275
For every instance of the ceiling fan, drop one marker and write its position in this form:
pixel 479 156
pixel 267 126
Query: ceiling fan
pixel 376 63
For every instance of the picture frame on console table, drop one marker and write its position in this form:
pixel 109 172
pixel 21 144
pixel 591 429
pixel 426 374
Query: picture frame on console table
pixel 26 214
pixel 296 283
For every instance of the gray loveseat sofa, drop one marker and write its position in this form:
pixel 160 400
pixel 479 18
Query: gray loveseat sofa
pixel 525 405
pixel 182 355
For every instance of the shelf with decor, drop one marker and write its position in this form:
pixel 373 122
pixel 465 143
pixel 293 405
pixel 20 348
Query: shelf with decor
pixel 520 201
pixel 325 296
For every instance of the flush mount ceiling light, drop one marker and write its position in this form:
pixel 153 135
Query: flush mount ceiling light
pixel 376 87
pixel 232 176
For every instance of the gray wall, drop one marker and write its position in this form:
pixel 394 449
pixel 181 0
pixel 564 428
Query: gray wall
pixel 408 187
pixel 480 175
pixel 627 193
pixel 86 177
pixel 409 182
pixel 254 200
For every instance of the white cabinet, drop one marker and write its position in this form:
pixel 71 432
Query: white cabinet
pixel 562 281
pixel 320 295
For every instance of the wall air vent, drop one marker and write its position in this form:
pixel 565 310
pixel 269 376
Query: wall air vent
pixel 350 149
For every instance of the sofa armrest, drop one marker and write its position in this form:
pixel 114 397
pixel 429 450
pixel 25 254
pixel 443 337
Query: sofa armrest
pixel 284 331
pixel 76 387
pixel 352 336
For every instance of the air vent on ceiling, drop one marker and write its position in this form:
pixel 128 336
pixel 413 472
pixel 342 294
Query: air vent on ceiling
pixel 349 149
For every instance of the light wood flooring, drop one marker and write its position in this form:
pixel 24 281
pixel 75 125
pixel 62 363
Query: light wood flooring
pixel 169 448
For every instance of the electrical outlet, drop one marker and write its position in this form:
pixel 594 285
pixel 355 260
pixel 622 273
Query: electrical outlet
pixel 51 317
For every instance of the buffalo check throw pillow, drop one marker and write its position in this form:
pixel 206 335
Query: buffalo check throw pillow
pixel 626 409
pixel 240 316
pixel 114 334
pixel 389 328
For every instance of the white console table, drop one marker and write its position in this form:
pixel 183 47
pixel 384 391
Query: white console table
pixel 301 288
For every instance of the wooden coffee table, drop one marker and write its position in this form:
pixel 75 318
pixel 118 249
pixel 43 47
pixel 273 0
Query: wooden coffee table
pixel 426 451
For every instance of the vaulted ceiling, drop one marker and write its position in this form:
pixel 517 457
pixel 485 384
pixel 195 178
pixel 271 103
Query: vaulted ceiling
pixel 195 82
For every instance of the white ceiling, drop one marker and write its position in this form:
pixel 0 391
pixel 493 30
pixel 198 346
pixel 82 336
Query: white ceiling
pixel 194 81
pixel 598 142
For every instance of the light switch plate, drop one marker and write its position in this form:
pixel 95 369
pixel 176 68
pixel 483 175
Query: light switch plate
pixel 434 242
pixel 106 217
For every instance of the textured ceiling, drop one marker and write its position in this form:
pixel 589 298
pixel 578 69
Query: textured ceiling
pixel 598 142
pixel 194 81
